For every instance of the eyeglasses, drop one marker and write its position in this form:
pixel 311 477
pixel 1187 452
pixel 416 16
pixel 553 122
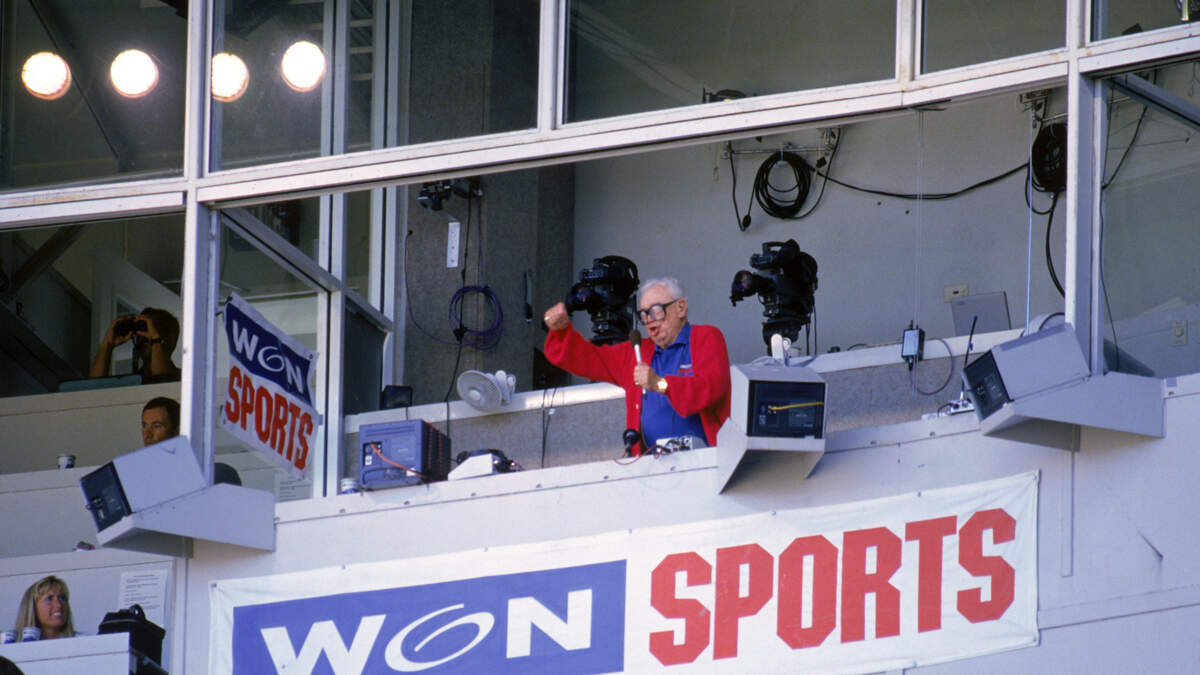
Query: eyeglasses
pixel 656 312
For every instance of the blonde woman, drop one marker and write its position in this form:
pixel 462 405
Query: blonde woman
pixel 46 605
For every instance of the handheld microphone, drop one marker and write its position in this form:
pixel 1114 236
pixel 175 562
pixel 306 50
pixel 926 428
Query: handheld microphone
pixel 635 338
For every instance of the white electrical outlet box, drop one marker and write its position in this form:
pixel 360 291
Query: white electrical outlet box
pixel 452 233
pixel 1179 332
pixel 949 293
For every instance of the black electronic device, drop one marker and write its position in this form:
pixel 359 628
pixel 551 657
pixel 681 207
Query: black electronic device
pixel 985 385
pixel 104 496
pixel 912 345
pixel 783 409
pixel 128 325
pixel 630 438
pixel 604 292
pixel 785 283
pixel 145 636
pixel 777 407
pixel 402 453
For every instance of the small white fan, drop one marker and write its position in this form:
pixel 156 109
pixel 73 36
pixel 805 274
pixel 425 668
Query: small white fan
pixel 486 391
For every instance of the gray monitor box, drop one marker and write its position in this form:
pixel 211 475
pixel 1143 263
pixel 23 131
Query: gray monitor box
pixel 991 308
pixel 159 472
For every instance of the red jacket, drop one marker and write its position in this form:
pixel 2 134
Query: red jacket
pixel 705 392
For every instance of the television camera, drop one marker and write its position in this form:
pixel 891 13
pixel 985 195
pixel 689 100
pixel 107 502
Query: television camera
pixel 785 282
pixel 604 292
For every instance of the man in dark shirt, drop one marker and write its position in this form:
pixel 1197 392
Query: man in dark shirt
pixel 154 332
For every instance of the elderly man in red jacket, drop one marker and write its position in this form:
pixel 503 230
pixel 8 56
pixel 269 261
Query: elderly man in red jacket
pixel 680 387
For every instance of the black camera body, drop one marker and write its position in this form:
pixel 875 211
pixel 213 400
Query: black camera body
pixel 128 325
pixel 785 284
pixel 603 292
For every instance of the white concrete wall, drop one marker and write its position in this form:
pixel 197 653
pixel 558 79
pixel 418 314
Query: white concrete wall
pixel 665 211
pixel 95 426
pixel 1116 557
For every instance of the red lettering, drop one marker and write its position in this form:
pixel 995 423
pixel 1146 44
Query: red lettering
pixel 262 414
pixel 789 626
pixel 279 425
pixel 693 612
pixel 730 606
pixel 247 401
pixel 857 582
pixel 294 417
pixel 970 555
pixel 306 428
pixel 231 398
pixel 929 535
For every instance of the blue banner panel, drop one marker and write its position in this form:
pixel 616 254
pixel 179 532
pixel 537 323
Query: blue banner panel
pixel 259 350
pixel 563 621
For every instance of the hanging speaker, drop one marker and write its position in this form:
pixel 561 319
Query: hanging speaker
pixel 486 391
pixel 1049 157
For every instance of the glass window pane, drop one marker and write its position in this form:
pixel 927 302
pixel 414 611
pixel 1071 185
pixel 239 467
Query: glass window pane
pixel 359 224
pixel 64 119
pixel 1150 239
pixel 626 56
pixel 291 306
pixel 71 299
pixel 1113 18
pixel 467 71
pixel 276 114
pixel 65 291
pixel 472 68
pixel 362 360
pixel 959 33
pixel 298 221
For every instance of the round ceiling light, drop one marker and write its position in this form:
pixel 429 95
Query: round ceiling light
pixel 46 75
pixel 229 77
pixel 303 66
pixel 133 73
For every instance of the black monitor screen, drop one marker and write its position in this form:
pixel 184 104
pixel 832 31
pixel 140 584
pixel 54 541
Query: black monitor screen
pixel 786 409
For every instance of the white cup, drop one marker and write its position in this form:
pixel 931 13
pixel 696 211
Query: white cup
pixel 66 461
pixel 31 634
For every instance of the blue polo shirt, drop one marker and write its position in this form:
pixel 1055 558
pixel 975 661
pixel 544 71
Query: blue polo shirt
pixel 659 419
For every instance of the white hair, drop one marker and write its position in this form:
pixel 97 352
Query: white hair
pixel 670 283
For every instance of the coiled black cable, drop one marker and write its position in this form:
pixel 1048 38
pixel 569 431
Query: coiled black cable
pixel 777 202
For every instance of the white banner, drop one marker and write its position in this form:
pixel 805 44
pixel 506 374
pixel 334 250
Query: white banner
pixel 268 404
pixel 890 583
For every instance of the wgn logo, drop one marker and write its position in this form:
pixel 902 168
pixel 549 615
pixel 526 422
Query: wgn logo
pixel 263 354
pixel 568 620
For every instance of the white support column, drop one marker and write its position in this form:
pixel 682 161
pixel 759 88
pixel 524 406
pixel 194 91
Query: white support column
pixel 396 198
pixel 552 48
pixel 1085 149
pixel 908 39
pixel 198 340
pixel 197 334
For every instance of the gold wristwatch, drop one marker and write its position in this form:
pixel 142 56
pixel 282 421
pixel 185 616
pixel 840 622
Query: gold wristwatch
pixel 661 386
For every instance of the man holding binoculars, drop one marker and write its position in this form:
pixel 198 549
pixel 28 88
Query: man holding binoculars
pixel 154 333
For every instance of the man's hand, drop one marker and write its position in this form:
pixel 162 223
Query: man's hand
pixel 111 338
pixel 556 317
pixel 645 377
pixel 151 332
